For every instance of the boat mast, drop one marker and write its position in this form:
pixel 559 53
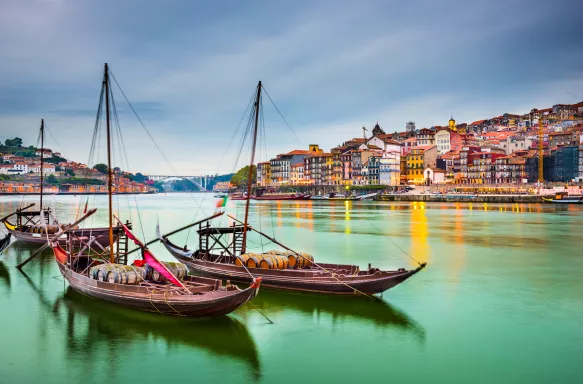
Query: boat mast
pixel 42 159
pixel 250 175
pixel 109 170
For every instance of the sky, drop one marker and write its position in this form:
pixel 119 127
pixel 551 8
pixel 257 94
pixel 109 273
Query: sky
pixel 190 67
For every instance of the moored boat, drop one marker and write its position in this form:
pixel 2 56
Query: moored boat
pixel 282 196
pixel 146 284
pixel 222 253
pixel 564 198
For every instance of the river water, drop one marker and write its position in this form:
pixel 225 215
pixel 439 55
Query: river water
pixel 500 301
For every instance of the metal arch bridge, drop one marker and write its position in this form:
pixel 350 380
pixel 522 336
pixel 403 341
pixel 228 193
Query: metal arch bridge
pixel 200 182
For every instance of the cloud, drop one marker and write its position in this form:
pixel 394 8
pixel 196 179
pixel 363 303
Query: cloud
pixel 190 68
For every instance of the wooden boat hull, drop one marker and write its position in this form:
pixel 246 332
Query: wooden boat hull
pixel 299 280
pixel 101 235
pixel 212 303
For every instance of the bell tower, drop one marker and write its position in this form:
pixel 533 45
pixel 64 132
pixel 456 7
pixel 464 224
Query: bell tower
pixel 452 124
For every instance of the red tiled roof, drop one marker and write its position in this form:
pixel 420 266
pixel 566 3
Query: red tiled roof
pixel 299 152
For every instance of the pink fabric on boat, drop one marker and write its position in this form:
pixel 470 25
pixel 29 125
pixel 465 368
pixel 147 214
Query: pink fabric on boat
pixel 158 266
pixel 151 259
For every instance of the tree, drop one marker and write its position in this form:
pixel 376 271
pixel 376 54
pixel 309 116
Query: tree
pixel 16 142
pixel 51 179
pixel 139 178
pixel 101 168
pixel 240 178
pixel 69 172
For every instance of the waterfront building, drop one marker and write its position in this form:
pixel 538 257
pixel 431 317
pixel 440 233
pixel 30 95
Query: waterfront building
pixel 337 165
pixel 433 176
pixel 281 165
pixel 364 173
pixel 481 167
pixel 418 159
pixel 564 164
pixel 389 168
pixel 264 174
pixel 315 168
pixel 297 174
pixel 346 160
pixel 373 169
pixel 510 169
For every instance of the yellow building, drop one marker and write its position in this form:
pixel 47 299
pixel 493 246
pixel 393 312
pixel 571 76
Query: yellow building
pixel 418 159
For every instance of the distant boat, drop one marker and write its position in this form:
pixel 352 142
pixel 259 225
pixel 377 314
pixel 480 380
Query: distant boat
pixel 220 194
pixel 564 198
pixel 282 196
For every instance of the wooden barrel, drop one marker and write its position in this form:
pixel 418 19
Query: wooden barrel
pixel 253 260
pixel 301 261
pixel 272 261
pixel 245 258
pixel 178 269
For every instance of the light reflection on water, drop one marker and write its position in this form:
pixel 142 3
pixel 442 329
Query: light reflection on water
pixel 502 290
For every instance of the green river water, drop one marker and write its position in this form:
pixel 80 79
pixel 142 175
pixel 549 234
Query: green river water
pixel 501 301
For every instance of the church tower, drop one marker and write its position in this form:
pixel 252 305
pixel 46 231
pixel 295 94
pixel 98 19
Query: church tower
pixel 452 124
pixel 377 130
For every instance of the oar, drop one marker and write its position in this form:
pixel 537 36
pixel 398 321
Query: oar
pixel 176 231
pixel 62 231
pixel 14 213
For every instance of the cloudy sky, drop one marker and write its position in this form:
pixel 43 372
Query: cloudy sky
pixel 190 67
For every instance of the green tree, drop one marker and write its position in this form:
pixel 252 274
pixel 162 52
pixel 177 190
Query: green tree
pixel 139 177
pixel 69 172
pixel 101 168
pixel 240 178
pixel 16 142
pixel 51 179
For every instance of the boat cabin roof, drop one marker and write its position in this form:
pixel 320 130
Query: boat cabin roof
pixel 221 230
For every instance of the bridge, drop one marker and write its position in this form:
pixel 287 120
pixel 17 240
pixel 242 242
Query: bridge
pixel 200 182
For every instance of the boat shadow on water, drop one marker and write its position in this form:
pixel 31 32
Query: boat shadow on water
pixel 91 324
pixel 378 312
pixel 4 275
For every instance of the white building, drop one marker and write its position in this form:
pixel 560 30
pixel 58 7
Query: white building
pixel 20 166
pixel 434 175
pixel 442 140
pixel 515 143
pixel 4 169
pixel 384 142
pixel 7 157
pixel 390 168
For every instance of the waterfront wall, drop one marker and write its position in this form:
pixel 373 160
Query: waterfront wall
pixel 464 198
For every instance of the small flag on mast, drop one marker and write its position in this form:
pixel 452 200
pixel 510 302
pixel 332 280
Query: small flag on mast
pixel 222 202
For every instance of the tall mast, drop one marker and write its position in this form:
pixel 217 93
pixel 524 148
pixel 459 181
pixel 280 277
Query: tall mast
pixel 109 170
pixel 250 175
pixel 42 159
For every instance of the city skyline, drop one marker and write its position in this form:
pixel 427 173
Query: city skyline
pixel 190 68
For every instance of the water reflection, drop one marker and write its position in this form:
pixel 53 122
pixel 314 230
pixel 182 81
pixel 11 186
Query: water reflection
pixel 378 312
pixel 92 326
pixel 4 275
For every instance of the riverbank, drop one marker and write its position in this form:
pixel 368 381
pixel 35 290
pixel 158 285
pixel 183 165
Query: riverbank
pixel 462 198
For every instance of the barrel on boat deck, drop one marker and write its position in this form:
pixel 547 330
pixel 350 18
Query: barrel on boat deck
pixel 301 260
pixel 244 258
pixel 253 260
pixel 177 269
pixel 126 274
pixel 271 261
